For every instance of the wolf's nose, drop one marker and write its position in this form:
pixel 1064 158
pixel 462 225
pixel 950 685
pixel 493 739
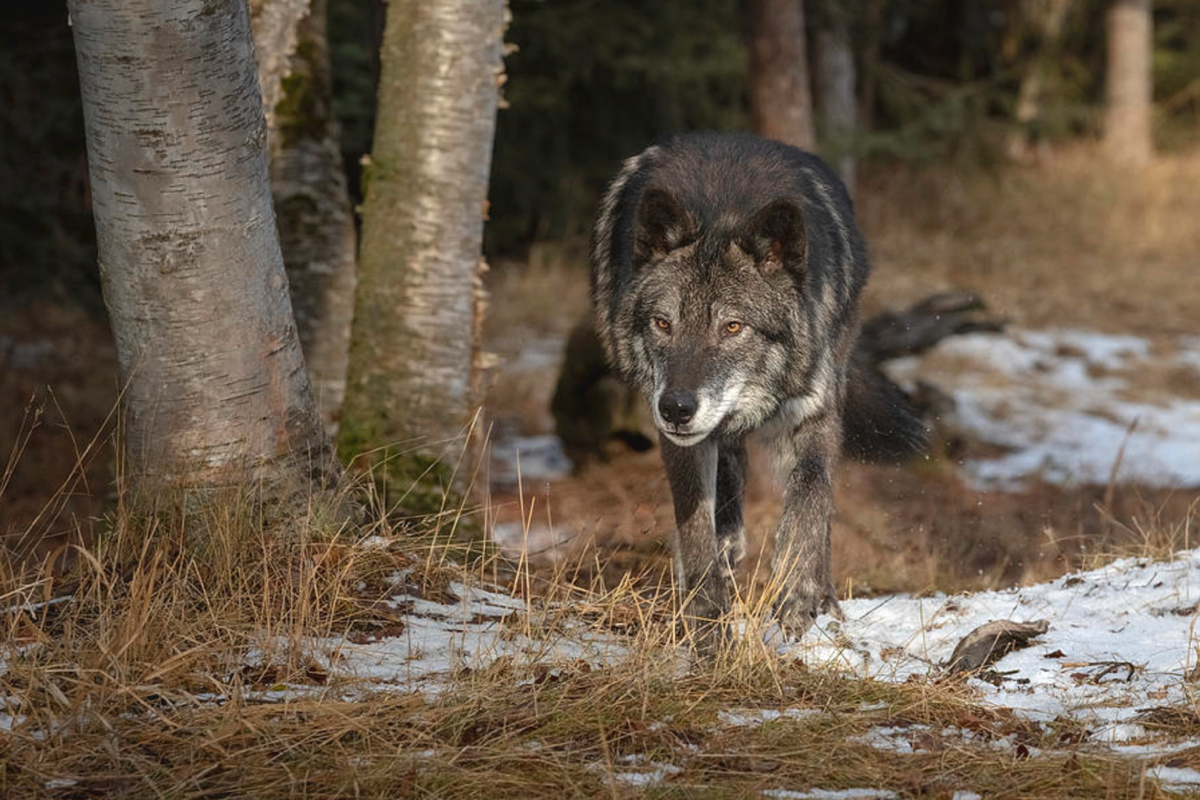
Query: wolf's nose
pixel 677 408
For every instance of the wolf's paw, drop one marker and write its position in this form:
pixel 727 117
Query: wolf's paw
pixel 732 550
pixel 705 615
pixel 796 611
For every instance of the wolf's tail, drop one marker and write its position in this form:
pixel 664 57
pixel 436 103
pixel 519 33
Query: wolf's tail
pixel 878 421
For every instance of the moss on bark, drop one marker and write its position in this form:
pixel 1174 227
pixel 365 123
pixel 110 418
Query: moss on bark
pixel 408 396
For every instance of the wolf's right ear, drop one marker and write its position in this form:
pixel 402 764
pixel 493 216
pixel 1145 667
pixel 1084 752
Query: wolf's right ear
pixel 662 225
pixel 777 238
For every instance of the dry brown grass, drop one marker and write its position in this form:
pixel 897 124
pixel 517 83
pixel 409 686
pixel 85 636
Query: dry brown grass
pixel 1070 241
pixel 151 669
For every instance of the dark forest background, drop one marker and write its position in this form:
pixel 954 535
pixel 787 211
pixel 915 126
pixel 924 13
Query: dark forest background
pixel 593 81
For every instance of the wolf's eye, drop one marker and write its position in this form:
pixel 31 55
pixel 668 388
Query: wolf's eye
pixel 732 327
pixel 662 324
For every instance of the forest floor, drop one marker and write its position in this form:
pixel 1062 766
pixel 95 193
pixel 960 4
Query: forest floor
pixel 377 663
pixel 368 665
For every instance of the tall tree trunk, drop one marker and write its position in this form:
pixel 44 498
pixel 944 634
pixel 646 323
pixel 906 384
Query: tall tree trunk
pixel 1044 20
pixel 308 183
pixel 837 104
pixel 1128 88
pixel 215 388
pixel 412 359
pixel 780 97
pixel 873 13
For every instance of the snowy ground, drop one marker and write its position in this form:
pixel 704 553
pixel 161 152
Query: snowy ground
pixel 1069 406
pixel 1066 406
pixel 1121 641
pixel 435 641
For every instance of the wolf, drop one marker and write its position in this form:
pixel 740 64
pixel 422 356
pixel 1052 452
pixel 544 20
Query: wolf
pixel 726 273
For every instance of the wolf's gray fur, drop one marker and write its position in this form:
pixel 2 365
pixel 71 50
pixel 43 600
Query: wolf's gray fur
pixel 726 270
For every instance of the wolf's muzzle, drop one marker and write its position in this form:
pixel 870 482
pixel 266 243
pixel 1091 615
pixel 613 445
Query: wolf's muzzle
pixel 677 408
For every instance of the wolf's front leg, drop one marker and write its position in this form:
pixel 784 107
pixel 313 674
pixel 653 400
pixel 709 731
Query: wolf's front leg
pixel 731 489
pixel 692 473
pixel 801 569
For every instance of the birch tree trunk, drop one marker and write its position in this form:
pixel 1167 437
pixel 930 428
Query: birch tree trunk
pixel 873 14
pixel 837 103
pixel 1045 19
pixel 413 353
pixel 1128 89
pixel 308 183
pixel 215 388
pixel 780 97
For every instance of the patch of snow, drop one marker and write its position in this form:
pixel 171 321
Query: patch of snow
pixel 657 774
pixel 743 717
pixel 1067 404
pixel 60 783
pixel 962 794
pixel 831 794
pixel 1189 352
pixel 1154 748
pixel 10 721
pixel 538 540
pixel 1176 779
pixel 525 459
pixel 1118 732
pixel 440 640
pixel 1120 641
pixel 38 605
pixel 537 354
pixel 654 772
pixel 892 740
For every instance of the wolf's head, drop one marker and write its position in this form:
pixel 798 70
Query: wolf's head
pixel 711 314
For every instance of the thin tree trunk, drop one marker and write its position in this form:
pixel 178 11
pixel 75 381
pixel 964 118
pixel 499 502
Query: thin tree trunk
pixel 837 103
pixel 1128 89
pixel 308 183
pixel 1045 20
pixel 215 389
pixel 872 53
pixel 780 97
pixel 416 318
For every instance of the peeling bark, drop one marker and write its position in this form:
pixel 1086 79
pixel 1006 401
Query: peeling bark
pixel 411 360
pixel 275 25
pixel 1128 89
pixel 308 183
pixel 215 388
pixel 780 97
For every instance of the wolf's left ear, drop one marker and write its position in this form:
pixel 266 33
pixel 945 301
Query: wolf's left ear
pixel 662 225
pixel 776 237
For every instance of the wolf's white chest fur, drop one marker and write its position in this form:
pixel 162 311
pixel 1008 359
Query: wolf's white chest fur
pixel 777 434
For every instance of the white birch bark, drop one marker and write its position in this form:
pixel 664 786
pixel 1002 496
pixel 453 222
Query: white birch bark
pixel 215 389
pixel 836 98
pixel 1045 19
pixel 1128 85
pixel 417 307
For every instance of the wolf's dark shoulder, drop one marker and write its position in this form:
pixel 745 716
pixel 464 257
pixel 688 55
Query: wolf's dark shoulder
pixel 720 177
pixel 723 179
